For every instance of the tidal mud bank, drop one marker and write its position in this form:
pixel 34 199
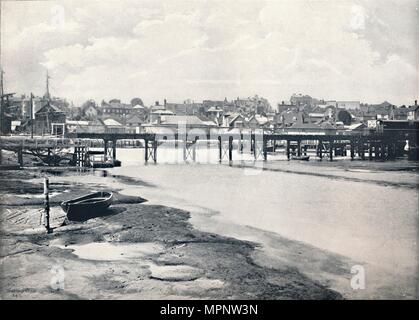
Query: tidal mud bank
pixel 135 251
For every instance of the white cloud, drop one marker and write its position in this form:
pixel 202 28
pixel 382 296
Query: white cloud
pixel 213 49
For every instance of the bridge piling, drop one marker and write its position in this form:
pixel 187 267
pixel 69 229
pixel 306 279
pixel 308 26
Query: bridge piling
pixel 331 150
pixel 146 150
pixel 20 156
pixel 194 149
pixel 265 149
pixel 220 150
pixel 320 149
pixel 114 150
pixel 155 151
pixel 230 149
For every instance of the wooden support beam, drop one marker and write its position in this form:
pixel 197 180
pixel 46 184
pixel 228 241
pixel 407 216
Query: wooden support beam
pixel 361 150
pixel 46 205
pixel 114 149
pixel 230 149
pixel 20 156
pixel 288 149
pixel 370 151
pixel 352 151
pixel 185 146
pixel 331 150
pixel 146 150
pixel 265 149
pixel 320 149
pixel 105 147
pixel 155 151
pixel 220 150
pixel 299 148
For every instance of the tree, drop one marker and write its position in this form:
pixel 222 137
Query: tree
pixel 137 101
pixel 345 117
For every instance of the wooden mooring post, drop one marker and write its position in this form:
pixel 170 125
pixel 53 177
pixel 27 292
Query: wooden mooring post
pixel 46 204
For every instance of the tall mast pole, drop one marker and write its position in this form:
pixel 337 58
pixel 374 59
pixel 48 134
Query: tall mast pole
pixel 2 102
pixel 31 115
pixel 47 93
pixel 1 79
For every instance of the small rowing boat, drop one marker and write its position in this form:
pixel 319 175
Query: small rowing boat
pixel 301 158
pixel 86 207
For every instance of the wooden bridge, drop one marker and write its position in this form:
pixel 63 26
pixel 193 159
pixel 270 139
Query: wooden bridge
pixel 378 145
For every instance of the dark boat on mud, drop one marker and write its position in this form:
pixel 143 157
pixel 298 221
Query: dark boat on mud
pixel 86 207
pixel 301 158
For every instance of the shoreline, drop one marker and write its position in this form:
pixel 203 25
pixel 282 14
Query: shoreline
pixel 183 262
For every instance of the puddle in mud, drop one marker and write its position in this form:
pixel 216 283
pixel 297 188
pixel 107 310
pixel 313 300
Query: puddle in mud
pixel 104 251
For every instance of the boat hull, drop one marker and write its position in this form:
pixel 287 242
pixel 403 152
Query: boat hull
pixel 87 207
pixel 301 158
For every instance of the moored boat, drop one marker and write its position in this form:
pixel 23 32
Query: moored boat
pixel 301 158
pixel 86 207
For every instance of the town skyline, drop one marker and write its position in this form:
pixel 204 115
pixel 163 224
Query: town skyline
pixel 346 50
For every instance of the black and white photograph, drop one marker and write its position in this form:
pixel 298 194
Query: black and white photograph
pixel 179 150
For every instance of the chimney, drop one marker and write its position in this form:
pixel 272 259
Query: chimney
pixel 165 102
pixel 157 103
pixel 282 102
pixel 416 103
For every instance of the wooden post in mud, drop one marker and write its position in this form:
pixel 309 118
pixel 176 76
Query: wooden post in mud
pixel 46 204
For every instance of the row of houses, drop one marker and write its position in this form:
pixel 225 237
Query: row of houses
pixel 302 113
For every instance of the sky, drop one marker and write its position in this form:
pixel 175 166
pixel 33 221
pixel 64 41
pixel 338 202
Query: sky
pixel 178 50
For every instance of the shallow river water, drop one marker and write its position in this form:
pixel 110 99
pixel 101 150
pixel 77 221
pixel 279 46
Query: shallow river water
pixel 365 211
